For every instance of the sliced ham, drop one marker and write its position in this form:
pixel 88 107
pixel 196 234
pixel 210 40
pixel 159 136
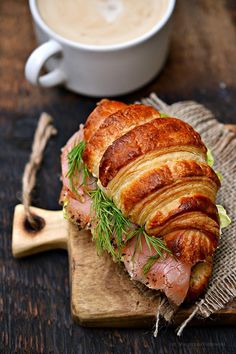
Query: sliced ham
pixel 77 204
pixel 166 274
pixel 73 141
pixel 76 211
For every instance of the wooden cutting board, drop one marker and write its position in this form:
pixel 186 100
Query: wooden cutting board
pixel 102 294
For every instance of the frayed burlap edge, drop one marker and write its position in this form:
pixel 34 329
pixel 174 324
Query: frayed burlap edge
pixel 222 287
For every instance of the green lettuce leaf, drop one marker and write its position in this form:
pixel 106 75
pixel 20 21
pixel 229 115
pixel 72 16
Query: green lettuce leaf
pixel 219 175
pixel 210 158
pixel 224 218
pixel 163 115
pixel 64 211
pixel 210 162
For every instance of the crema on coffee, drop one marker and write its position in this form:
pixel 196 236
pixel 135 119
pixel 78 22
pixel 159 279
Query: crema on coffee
pixel 101 22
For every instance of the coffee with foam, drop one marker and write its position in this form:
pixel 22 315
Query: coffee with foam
pixel 101 22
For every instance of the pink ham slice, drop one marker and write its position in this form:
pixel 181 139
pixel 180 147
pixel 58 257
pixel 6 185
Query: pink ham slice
pixel 166 274
pixel 77 204
pixel 78 212
pixel 73 141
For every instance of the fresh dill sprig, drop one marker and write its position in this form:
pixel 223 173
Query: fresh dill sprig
pixel 112 226
pixel 110 223
pixel 77 165
pixel 157 244
pixel 154 244
pixel 149 264
pixel 138 243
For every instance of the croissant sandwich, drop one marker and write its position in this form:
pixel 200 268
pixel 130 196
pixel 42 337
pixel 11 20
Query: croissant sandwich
pixel 142 182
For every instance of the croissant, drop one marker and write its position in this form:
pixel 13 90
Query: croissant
pixel 154 169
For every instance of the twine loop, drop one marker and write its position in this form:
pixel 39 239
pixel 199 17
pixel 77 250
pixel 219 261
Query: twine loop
pixel 44 131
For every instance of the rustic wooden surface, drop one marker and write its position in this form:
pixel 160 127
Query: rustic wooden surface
pixel 102 294
pixel 34 292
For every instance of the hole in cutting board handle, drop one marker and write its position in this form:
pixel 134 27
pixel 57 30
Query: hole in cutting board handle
pixel 39 224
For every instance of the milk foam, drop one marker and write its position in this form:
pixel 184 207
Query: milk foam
pixel 102 22
pixel 110 9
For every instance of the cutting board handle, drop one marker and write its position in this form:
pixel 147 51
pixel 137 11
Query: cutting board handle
pixel 52 232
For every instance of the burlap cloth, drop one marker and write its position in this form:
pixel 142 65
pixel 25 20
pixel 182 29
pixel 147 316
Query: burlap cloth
pixel 222 142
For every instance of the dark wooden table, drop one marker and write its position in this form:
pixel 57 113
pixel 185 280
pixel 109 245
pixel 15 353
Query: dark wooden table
pixel 34 292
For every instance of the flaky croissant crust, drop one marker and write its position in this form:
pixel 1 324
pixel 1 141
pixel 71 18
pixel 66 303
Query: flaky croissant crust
pixel 155 171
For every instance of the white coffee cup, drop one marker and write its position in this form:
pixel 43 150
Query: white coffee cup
pixel 104 70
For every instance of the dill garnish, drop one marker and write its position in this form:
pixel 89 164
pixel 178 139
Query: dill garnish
pixel 110 223
pixel 157 244
pixel 113 230
pixel 149 264
pixel 77 165
pixel 154 244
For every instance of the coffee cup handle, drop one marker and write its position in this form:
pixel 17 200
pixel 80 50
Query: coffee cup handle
pixel 36 62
